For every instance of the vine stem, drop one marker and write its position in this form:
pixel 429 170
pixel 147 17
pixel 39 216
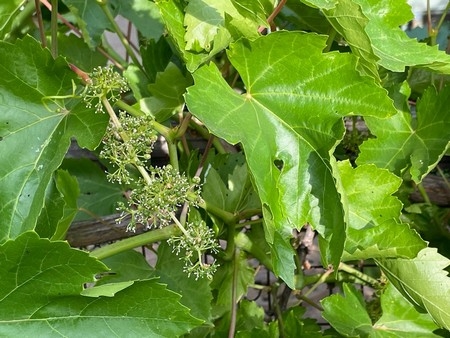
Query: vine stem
pixel 104 6
pixel 135 241
pixel 54 28
pixel 37 5
pixel 273 15
pixel 362 276
pixel 232 329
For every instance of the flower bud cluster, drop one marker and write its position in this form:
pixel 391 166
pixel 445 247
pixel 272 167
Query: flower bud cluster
pixel 152 203
pixel 135 150
pixel 104 82
pixel 197 240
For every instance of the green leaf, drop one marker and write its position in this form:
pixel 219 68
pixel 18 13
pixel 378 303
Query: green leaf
pixel 167 93
pixel 35 129
pixel 67 186
pixel 347 314
pixel 323 4
pixel 373 229
pixel 400 319
pixel 91 20
pixel 196 294
pixel 423 281
pixel 258 10
pixel 126 266
pixel 407 144
pixel 98 196
pixel 394 48
pixel 292 115
pixel 145 17
pixel 8 11
pixel 223 285
pixel 51 274
pixel 349 21
pixel 39 270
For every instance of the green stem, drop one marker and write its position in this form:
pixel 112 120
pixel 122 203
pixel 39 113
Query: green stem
pixel 358 274
pixel 183 126
pixel 232 328
pixel 423 193
pixel 321 280
pixel 443 16
pixel 443 175
pixel 331 36
pixel 231 245
pixel 37 4
pixel 226 216
pixel 243 241
pixel 206 135
pixel 104 6
pixel 173 154
pixel 135 241
pixel 54 28
pixel 129 109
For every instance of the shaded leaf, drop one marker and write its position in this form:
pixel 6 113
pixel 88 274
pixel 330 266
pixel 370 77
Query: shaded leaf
pixel 145 17
pixel 292 116
pixel 423 281
pixel 8 12
pixel 98 196
pixel 167 93
pixel 35 129
pixel 195 294
pixel 374 230
pixel 347 313
pixel 407 144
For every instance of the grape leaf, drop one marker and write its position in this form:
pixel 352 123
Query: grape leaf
pixel 35 129
pixel 401 319
pixel 91 20
pixel 196 293
pixel 373 229
pixel 348 315
pixel 167 93
pixel 292 116
pixel 52 275
pixel 394 48
pixel 8 11
pixel 404 143
pixel 423 281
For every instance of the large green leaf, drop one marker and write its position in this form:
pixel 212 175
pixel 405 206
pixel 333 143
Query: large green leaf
pixel 404 143
pixel 40 294
pixel 289 122
pixel 374 230
pixel 349 316
pixel 35 129
pixel 423 281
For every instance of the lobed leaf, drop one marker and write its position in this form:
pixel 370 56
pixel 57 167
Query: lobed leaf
pixel 292 113
pixel 410 144
pixel 348 315
pixel 423 281
pixel 374 230
pixel 52 275
pixel 35 129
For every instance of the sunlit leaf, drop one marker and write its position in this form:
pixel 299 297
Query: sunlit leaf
pixel 292 112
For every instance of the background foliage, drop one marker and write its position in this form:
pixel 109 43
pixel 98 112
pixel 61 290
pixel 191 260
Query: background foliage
pixel 276 90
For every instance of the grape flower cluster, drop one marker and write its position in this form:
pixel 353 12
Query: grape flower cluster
pixel 158 192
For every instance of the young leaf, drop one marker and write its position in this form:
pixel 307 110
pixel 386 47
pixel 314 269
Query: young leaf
pixel 35 129
pixel 404 143
pixel 373 229
pixel 289 122
pixel 423 281
pixel 51 274
pixel 167 93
